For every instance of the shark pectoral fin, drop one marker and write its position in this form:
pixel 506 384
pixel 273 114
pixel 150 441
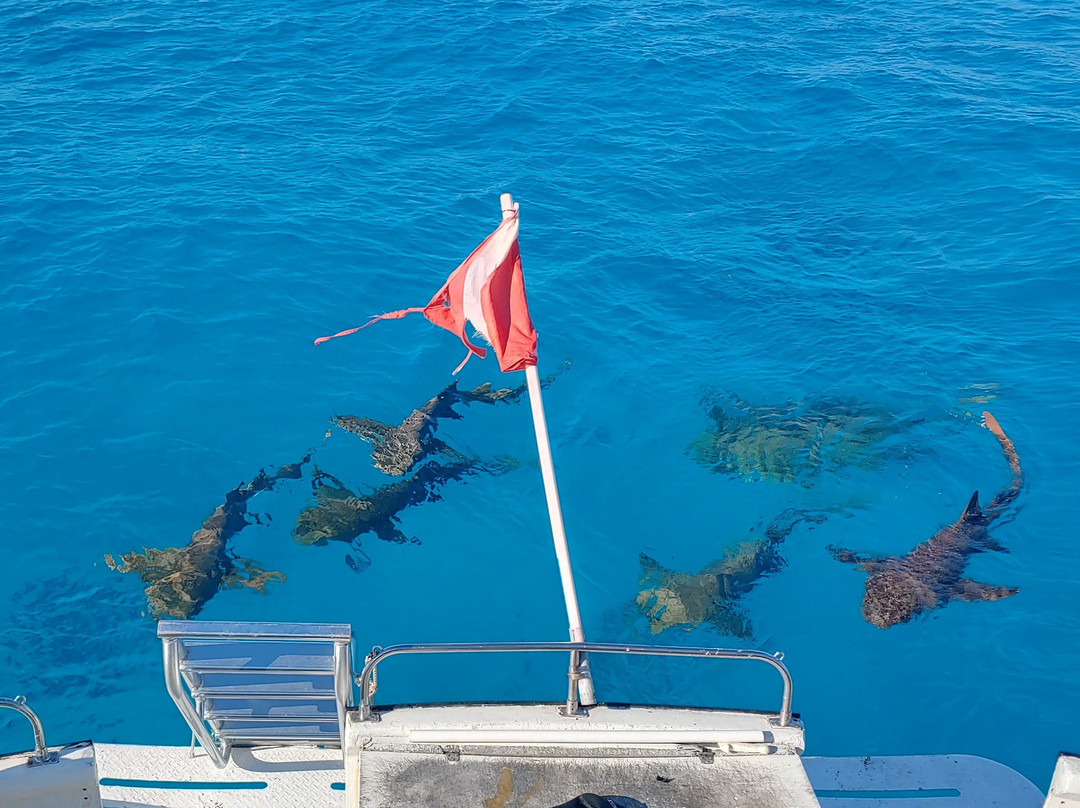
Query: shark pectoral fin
pixel 436 446
pixel 247 573
pixel 842 555
pixel 650 566
pixel 388 531
pixel 366 428
pixel 966 589
pixel 728 620
pixel 992 545
pixel 861 561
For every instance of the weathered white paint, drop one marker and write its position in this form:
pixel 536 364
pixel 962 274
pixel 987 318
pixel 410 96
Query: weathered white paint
pixel 295 776
pixel 70 782
pixel 1065 787
pixel 981 783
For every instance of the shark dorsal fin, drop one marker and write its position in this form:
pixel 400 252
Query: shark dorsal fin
pixel 972 509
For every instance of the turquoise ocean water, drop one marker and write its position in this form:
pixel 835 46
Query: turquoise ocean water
pixel 776 203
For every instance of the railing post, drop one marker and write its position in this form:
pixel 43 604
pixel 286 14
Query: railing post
pixel 573 703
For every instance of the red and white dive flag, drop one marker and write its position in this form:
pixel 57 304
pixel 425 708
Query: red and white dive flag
pixel 488 291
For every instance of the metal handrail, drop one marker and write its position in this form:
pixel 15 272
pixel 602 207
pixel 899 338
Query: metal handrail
pixel 41 751
pixel 366 678
pixel 170 648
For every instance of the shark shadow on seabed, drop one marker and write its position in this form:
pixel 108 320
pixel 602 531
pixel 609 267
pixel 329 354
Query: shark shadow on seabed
pixel 339 514
pixel 671 599
pixel 181 580
pixel 796 441
pixel 397 450
pixel 927 578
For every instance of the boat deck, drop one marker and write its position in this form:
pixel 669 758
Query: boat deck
pixel 472 755
pixel 513 755
pixel 307 777
pixel 173 777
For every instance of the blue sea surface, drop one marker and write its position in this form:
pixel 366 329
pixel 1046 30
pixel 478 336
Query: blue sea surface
pixel 773 203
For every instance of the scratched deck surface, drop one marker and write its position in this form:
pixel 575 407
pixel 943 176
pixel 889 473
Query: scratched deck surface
pixel 745 206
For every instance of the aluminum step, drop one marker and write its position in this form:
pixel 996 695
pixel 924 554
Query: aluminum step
pixel 251 693
pixel 283 710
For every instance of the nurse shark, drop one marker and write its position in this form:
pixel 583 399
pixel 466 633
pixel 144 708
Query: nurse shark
pixel 670 598
pixel 180 580
pixel 338 514
pixel 927 578
pixel 798 441
pixel 397 450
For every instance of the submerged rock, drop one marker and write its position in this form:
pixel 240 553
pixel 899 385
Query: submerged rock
pixel 670 598
pixel 795 441
pixel 182 579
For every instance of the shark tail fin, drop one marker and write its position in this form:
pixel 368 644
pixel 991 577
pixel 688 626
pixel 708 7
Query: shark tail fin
pixel 972 511
pixel 1007 447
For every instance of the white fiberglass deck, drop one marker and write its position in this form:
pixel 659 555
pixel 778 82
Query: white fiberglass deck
pixel 303 777
pixel 919 781
pixel 171 777
pixel 398 766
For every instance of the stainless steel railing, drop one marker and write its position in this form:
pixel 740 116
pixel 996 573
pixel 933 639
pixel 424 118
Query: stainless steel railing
pixel 41 751
pixel 175 687
pixel 367 677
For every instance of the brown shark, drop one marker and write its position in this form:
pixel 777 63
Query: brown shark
pixel 797 441
pixel 927 578
pixel 670 598
pixel 338 514
pixel 180 580
pixel 397 450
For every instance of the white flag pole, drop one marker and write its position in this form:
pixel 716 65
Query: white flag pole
pixel 586 692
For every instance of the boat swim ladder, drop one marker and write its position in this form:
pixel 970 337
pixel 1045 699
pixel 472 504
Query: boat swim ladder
pixel 258 684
